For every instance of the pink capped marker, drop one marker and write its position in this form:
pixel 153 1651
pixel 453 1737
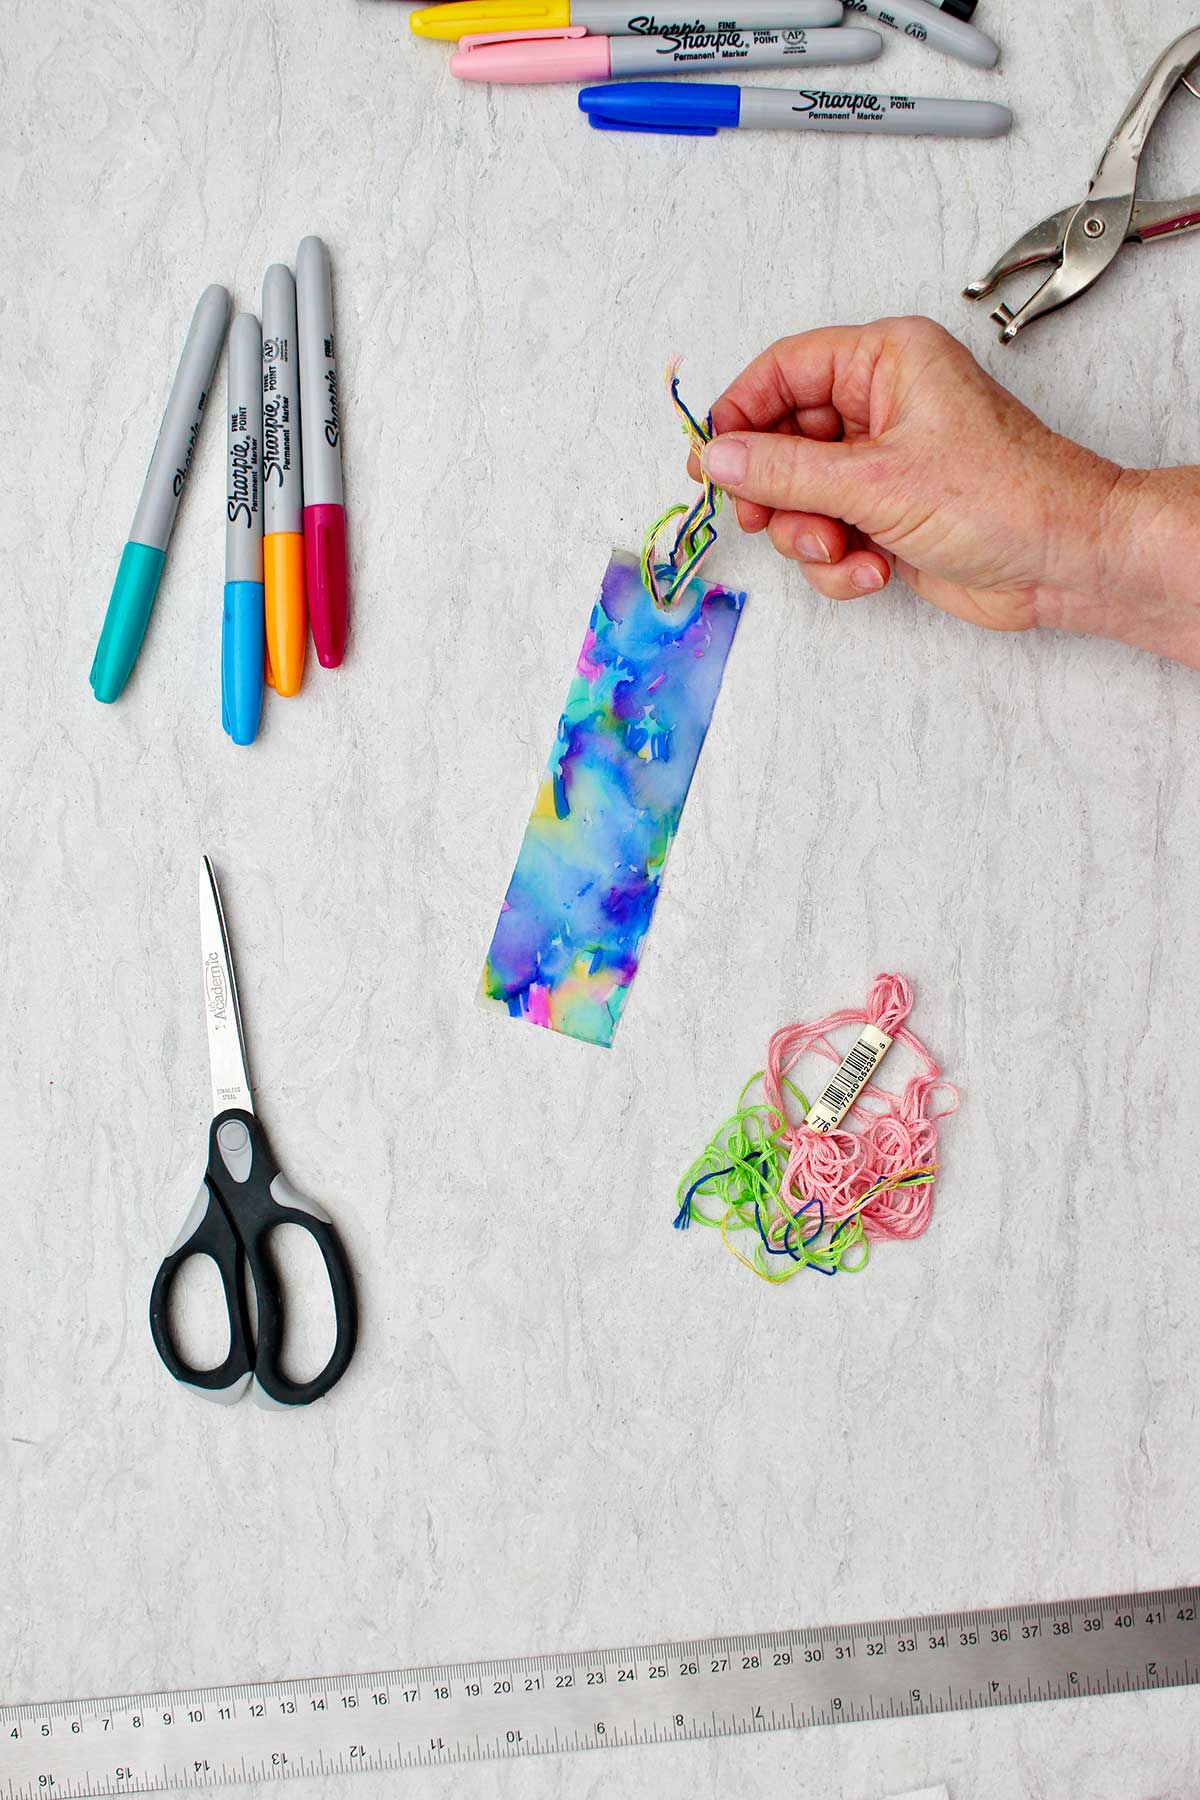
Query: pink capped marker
pixel 572 54
pixel 575 54
pixel 321 455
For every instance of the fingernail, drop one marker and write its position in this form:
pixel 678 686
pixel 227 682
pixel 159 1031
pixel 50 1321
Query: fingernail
pixel 866 579
pixel 725 462
pixel 810 547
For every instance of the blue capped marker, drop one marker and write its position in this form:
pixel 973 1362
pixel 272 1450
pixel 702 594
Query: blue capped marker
pixel 143 557
pixel 243 625
pixel 701 109
pixel 697 110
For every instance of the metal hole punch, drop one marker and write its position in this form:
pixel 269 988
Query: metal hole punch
pixel 1081 241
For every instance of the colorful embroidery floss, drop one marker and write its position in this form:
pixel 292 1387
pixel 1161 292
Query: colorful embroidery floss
pixel 698 533
pixel 813 1194
pixel 568 941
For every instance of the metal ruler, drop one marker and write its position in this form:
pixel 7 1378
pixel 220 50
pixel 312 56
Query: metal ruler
pixel 665 1693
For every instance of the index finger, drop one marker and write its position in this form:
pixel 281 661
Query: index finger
pixel 795 374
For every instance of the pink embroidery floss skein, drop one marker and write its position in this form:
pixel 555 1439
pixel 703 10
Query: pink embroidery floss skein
pixel 843 1170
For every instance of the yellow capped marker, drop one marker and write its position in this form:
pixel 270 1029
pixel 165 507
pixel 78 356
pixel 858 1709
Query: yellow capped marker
pixel 614 18
pixel 283 493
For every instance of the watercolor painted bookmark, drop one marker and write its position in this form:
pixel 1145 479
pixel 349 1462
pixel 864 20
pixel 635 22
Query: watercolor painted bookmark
pixel 569 938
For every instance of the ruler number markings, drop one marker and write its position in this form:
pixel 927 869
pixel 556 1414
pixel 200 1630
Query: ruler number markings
pixel 518 1707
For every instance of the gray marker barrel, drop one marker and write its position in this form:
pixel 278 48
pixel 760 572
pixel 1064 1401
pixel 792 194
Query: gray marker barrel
pixel 243 501
pixel 894 115
pixel 931 24
pixel 283 492
pixel 177 434
pixel 730 50
pixel 142 559
pixel 617 17
pixel 320 422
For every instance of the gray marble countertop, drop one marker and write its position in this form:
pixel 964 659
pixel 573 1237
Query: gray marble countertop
pixel 567 1426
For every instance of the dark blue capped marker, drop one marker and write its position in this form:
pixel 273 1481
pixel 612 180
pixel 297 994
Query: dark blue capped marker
pixel 697 110
pixel 701 109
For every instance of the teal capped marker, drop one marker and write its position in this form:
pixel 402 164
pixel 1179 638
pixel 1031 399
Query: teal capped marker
pixel 143 556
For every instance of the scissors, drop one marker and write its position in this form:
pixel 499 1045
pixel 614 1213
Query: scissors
pixel 1081 241
pixel 243 1198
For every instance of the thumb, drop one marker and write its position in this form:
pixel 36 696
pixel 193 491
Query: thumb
pixel 795 474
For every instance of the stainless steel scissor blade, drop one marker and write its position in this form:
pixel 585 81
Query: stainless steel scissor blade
pixel 1082 241
pixel 226 1044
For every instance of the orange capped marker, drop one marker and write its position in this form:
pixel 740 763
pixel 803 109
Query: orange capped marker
pixel 283 492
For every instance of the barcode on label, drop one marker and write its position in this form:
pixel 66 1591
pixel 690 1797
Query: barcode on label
pixel 847 1083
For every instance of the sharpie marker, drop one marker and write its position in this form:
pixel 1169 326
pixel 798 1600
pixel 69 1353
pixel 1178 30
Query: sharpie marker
pixel 703 110
pixel 283 492
pixel 242 615
pixel 576 55
pixel 944 27
pixel 144 555
pixel 321 431
pixel 616 18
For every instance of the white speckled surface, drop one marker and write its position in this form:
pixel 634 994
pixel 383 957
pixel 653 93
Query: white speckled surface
pixel 565 1425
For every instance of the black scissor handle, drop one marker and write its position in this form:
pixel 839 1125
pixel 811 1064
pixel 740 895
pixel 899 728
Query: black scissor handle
pixel 258 1199
pixel 243 1200
pixel 206 1232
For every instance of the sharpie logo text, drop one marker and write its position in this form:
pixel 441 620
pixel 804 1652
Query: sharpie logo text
pixel 277 439
pixel 243 473
pixel 181 475
pixel 333 423
pixel 816 100
pixel 720 41
pixel 688 33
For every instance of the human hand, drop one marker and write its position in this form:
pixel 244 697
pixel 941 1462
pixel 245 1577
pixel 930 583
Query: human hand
pixel 863 448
